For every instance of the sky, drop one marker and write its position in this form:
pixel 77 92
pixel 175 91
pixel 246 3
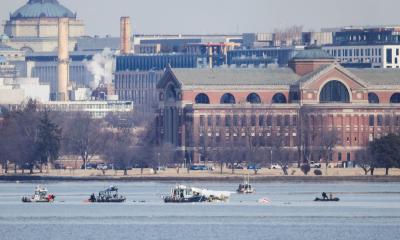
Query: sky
pixel 223 16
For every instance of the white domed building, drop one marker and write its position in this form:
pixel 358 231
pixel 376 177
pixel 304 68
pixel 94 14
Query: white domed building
pixel 34 26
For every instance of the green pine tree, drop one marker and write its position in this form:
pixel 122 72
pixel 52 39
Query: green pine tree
pixel 48 142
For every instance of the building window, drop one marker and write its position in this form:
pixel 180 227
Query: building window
pixel 348 157
pixel 334 91
pixel 269 120
pixel 243 121
pixel 202 120
pixel 279 121
pixel 294 120
pixel 218 120
pixel 202 99
pixel 261 120
pixel 253 120
pixel 254 98
pixel 171 93
pixel 235 120
pixel 287 120
pixel 227 121
pixel 389 55
pixel 228 98
pixel 371 120
pixel 373 98
pixel 339 157
pixel 379 120
pixel 279 98
pixel 395 98
pixel 209 120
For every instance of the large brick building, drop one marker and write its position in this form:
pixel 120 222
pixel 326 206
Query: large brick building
pixel 314 92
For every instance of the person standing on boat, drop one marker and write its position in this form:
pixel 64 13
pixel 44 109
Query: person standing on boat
pixel 324 196
pixel 92 198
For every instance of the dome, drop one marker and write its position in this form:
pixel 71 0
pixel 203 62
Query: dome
pixel 42 9
pixel 311 54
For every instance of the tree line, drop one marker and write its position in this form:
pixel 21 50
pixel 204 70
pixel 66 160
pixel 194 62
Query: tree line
pixel 33 137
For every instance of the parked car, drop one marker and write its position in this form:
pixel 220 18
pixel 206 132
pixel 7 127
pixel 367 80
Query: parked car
pixel 236 166
pixel 253 167
pixel 315 165
pixel 89 166
pixel 102 166
pixel 199 168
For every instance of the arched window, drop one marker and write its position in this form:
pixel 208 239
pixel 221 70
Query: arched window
pixel 254 98
pixel 395 98
pixel 373 98
pixel 202 99
pixel 334 91
pixel 171 93
pixel 228 98
pixel 279 98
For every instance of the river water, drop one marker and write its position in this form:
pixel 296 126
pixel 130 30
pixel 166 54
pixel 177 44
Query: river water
pixel 366 211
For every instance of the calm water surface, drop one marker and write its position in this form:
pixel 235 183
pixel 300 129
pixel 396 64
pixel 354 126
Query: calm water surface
pixel 366 211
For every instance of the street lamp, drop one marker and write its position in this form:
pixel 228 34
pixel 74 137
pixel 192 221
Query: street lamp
pixel 271 156
pixel 158 159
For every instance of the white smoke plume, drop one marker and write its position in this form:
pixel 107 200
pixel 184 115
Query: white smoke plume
pixel 101 68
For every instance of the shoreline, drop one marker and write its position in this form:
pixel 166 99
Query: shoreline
pixel 254 178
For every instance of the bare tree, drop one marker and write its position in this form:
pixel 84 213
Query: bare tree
pixel 232 151
pixel 303 137
pixel 217 154
pixel 329 138
pixel 166 153
pixel 288 36
pixel 84 137
pixel 119 149
pixel 280 155
pixel 364 160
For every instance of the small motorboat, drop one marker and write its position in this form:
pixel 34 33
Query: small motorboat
pixel 184 194
pixel 109 195
pixel 245 187
pixel 326 199
pixel 40 196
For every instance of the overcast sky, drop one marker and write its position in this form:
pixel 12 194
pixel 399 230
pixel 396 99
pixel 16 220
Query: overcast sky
pixel 223 16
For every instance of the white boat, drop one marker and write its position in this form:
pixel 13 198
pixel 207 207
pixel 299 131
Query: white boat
pixel 40 196
pixel 245 187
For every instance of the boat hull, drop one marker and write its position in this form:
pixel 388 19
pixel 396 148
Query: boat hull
pixel 30 200
pixel 245 191
pixel 326 200
pixel 185 200
pixel 120 200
